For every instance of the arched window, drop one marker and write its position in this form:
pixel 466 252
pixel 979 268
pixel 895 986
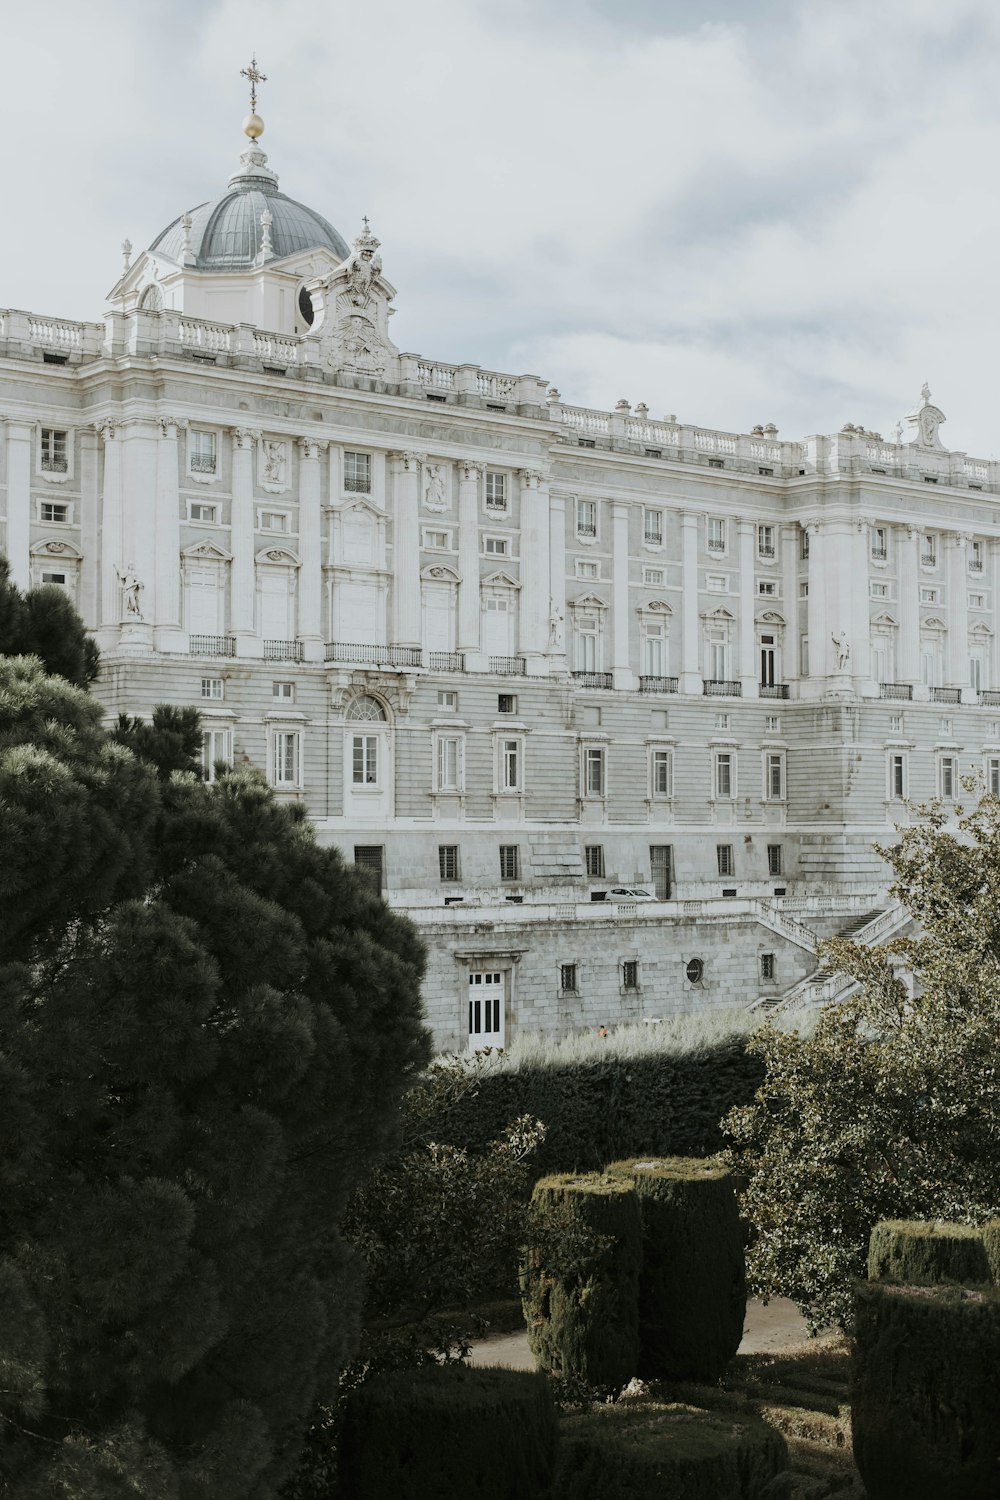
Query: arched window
pixel 365 708
pixel 151 299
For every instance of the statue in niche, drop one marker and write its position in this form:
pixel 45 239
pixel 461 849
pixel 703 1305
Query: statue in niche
pixel 434 490
pixel 274 462
pixel 843 646
pixel 131 592
pixel 557 628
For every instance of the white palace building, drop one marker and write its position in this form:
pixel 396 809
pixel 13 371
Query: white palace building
pixel 613 706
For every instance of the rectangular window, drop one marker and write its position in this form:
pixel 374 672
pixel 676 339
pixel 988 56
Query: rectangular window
pixel 804 589
pixel 586 518
pixel 449 763
pixel 496 490
pixel 510 765
pixel 364 760
pixel 358 473
pixel 200 511
pixel 495 546
pixel 287 757
pixel 716 534
pixel 216 749
pixel 448 861
pixel 767 589
pixel 273 520
pixel 947 777
pixel 59 579
pixel 593 771
pixel 879 591
pixel 506 703
pixel 369 859
pixel 928 550
pixel 772 724
pixel 447 698
pixel 48 510
pixel 652 527
pixel 54 457
pixel 768 967
pixel 437 540
pixel 804 546
pixel 724 859
pixel 880 543
pixel 723 722
pixel 993 775
pixel 976 557
pixel 630 974
pixel 896 723
pixel 201 449
pixel 717 583
pixel 510 862
pixel 283 692
pixel 654 577
pixel 897 777
pixel 594 854
pixel 977 601
pixel 725 775
pixel 662 773
pixel 774 777
pixel 765 541
pixel 212 687
pixel 660 869
pixel 928 596
pixel 804 655
pixel 567 978
pixel 775 862
pixel 587 569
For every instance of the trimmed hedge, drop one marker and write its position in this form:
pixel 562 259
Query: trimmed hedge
pixel 913 1252
pixel 662 1452
pixel 990 1234
pixel 925 1401
pixel 692 1286
pixel 440 1430
pixel 650 1104
pixel 580 1279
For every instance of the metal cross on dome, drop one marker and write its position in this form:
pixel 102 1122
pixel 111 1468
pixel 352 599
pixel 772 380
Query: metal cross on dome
pixel 253 77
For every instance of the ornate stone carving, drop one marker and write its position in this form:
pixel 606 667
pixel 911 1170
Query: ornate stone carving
pixel 355 323
pixel 925 421
pixel 435 494
pixel 131 592
pixel 843 646
pixel 245 437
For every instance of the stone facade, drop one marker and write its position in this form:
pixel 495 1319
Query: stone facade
pixel 519 658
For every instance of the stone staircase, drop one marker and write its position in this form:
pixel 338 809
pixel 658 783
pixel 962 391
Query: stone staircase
pixel 870 929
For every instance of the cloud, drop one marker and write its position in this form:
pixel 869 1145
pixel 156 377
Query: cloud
pixel 782 211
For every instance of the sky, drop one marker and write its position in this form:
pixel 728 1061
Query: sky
pixel 770 211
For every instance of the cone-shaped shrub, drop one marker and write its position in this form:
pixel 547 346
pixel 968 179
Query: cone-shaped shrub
pixel 925 1402
pixel 442 1430
pixel 912 1252
pixel 662 1452
pixel 580 1279
pixel 692 1287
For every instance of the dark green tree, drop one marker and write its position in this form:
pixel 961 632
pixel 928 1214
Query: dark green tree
pixel 170 742
pixel 43 623
pixel 206 1024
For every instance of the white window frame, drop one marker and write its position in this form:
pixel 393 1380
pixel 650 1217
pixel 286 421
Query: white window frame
pixel 216 745
pixel 586 568
pixel 198 466
pixel 654 578
pixel 879 546
pixel 366 758
pixel 774 775
pixel 928 550
pixel 509 765
pixel 661 773
pixel 772 724
pixel 897 761
pixel 767 588
pixel 429 545
pixel 947 777
pixel 716 535
pixel 991 774
pixel 55 475
pixel 652 526
pixel 717 583
pixel 359 480
pixel 977 556
pixel 765 541
pixel 213 689
pixel 593 758
pixel 724 767
pixel 278 694
pixel 449 763
pixel 48 501
pixel 209 505
pixel 587 521
pixel 447 699
pixel 496 490
pixel 280 742
pixel 878 590
pixel 496 546
pixel 977 601
pixel 930 595
pixel 278 514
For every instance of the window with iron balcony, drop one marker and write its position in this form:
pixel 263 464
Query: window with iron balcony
pixel 358 473
pixel 496 490
pixel 54 456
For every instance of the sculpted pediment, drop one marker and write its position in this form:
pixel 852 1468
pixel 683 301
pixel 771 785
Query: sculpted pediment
pixel 206 551
pixel 279 556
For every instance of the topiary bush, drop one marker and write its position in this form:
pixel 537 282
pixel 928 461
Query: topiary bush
pixel 663 1452
pixel 925 1400
pixel 914 1252
pixel 442 1430
pixel 692 1286
pixel 580 1279
pixel 990 1235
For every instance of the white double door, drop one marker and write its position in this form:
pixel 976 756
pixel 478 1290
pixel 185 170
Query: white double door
pixel 486 1009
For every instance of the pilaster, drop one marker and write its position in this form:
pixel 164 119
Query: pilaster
pixel 139 479
pixel 908 572
pixel 816 614
pixel 89 602
pixel 469 639
pixel 168 634
pixel 310 629
pixel 860 627
pixel 956 573
pixel 624 677
pixel 691 680
pixel 20 450
pixel 111 535
pixel 534 571
pixel 749 686
pixel 245 441
pixel 406 551
pixel 557 585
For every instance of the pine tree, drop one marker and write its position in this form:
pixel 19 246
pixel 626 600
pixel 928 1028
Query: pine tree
pixel 206 1024
pixel 43 623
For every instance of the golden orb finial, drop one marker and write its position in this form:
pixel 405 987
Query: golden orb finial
pixel 253 125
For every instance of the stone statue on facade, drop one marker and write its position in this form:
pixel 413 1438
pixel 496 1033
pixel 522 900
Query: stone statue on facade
pixel 925 422
pixel 274 461
pixel 434 490
pixel 131 592
pixel 557 628
pixel 843 646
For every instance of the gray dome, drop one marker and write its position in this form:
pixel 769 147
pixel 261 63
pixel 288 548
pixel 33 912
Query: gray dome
pixel 226 234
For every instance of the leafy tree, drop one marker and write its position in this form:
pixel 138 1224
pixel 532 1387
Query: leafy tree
pixel 891 1109
pixel 43 623
pixel 170 742
pixel 206 1024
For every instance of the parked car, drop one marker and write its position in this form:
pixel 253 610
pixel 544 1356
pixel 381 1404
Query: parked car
pixel 630 893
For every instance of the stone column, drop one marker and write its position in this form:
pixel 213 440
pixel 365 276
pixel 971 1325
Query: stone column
pixel 310 629
pixel 789 542
pixel 469 640
pixel 957 575
pixel 690 679
pixel 20 449
pixel 112 541
pixel 557 584
pixel 406 551
pixel 534 571
pixel 140 441
pixel 89 602
pixel 860 626
pixel 244 582
pixel 908 575
pixel 748 634
pixel 167 616
pixel 621 614
pixel 816 613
